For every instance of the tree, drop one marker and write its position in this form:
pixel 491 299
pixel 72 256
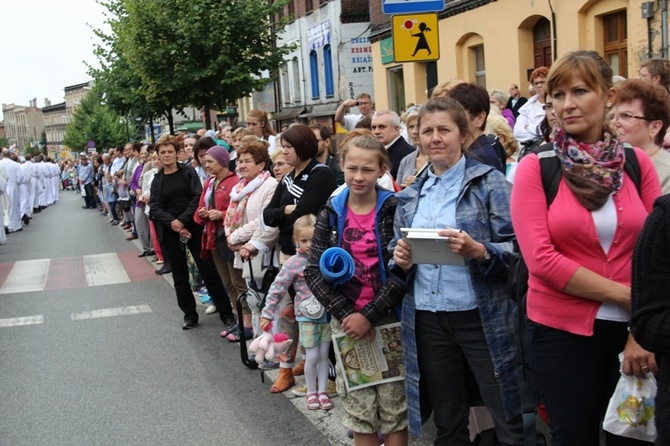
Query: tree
pixel 4 142
pixel 94 120
pixel 202 53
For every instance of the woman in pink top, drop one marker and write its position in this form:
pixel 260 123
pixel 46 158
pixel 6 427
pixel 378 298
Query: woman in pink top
pixel 579 252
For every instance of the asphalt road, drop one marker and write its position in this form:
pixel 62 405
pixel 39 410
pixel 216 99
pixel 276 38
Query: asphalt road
pixel 84 363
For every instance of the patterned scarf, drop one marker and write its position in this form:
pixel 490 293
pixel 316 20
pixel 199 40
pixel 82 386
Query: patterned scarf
pixel 239 196
pixel 592 171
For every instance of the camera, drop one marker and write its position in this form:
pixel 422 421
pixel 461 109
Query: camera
pixel 358 103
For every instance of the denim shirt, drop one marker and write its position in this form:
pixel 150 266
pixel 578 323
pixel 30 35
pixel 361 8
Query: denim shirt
pixel 482 210
pixel 442 287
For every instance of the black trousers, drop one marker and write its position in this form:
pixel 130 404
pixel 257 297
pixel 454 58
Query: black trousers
pixel 89 199
pixel 576 376
pixel 185 299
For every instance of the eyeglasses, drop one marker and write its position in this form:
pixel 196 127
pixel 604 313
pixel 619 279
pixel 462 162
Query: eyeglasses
pixel 625 117
pixel 538 83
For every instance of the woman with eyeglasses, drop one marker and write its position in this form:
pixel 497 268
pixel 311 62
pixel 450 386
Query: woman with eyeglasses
pixel 579 251
pixel 641 115
pixel 531 114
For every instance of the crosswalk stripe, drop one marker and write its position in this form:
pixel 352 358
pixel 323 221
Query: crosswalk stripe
pixel 104 269
pixel 26 276
pixel 111 312
pixel 18 321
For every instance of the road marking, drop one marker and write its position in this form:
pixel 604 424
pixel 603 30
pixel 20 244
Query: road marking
pixel 26 276
pixel 104 269
pixel 111 312
pixel 18 321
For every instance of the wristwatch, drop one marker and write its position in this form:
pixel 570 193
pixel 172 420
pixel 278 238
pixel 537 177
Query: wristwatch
pixel 486 258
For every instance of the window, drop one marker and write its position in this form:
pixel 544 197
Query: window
pixel 285 85
pixel 291 11
pixel 296 80
pixel 309 5
pixel 314 73
pixel 616 42
pixel 480 65
pixel 328 68
pixel 396 89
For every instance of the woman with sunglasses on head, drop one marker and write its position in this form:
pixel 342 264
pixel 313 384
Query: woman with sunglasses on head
pixel 641 114
pixel 579 251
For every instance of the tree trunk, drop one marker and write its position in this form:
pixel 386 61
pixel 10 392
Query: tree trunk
pixel 208 120
pixel 153 133
pixel 170 121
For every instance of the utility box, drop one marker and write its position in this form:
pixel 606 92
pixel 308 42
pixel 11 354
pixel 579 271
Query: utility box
pixel 647 10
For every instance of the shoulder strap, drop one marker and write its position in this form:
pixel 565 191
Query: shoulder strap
pixel 550 168
pixel 632 167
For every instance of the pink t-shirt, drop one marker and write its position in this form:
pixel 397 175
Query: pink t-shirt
pixel 358 238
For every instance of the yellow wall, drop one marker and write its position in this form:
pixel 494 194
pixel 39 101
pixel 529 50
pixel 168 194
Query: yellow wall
pixel 505 29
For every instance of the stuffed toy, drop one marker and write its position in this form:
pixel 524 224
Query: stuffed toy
pixel 268 346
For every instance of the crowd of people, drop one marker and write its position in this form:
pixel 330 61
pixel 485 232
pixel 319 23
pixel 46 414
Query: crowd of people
pixel 467 164
pixel 27 186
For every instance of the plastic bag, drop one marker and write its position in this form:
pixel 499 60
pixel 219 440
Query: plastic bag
pixel 630 412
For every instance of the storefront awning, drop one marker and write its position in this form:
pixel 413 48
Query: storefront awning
pixel 321 110
pixel 288 113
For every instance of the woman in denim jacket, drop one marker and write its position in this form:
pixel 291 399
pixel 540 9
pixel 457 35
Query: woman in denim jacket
pixel 457 319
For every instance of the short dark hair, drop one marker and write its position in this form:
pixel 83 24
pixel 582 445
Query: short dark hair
pixel 203 143
pixel 474 99
pixel 303 140
pixel 324 131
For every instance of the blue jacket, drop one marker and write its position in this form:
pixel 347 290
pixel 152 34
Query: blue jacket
pixel 482 210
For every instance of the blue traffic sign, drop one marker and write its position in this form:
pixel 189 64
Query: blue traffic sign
pixel 411 6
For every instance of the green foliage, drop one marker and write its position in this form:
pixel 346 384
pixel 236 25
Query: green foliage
pixel 164 54
pixel 94 120
pixel 4 142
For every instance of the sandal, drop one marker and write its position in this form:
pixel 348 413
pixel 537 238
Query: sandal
pixel 235 337
pixel 313 402
pixel 232 329
pixel 325 403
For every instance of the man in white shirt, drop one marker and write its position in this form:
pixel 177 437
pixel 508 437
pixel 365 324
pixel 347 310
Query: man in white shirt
pixel 364 103
pixel 14 178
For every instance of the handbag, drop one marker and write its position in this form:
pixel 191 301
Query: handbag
pixel 222 248
pixel 630 412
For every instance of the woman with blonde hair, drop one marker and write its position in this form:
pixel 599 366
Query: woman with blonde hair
pixel 258 123
pixel 413 164
pixel 498 125
pixel 579 252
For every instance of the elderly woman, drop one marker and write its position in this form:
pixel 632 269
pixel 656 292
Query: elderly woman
pixel 414 163
pixel 641 115
pixel 212 207
pixel 531 114
pixel 248 198
pixel 579 250
pixel 173 201
pixel 499 100
pixel 457 319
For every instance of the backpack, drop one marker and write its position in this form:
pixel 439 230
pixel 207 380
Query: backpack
pixel 550 167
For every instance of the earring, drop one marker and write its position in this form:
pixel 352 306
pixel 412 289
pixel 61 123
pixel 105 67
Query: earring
pixel 608 104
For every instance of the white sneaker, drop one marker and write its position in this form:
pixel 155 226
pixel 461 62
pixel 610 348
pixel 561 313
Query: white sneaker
pixel 211 309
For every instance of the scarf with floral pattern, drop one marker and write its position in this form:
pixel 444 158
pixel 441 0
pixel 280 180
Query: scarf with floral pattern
pixel 592 171
pixel 239 196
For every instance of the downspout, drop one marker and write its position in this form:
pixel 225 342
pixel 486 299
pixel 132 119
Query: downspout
pixel 554 51
pixel 664 28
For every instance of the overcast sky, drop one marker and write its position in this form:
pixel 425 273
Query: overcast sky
pixel 44 44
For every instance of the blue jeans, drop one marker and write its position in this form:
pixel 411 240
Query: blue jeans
pixel 447 342
pixel 576 376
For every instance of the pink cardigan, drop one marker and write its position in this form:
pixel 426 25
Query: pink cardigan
pixel 555 243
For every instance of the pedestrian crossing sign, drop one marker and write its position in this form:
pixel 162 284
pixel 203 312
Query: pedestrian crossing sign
pixel 415 38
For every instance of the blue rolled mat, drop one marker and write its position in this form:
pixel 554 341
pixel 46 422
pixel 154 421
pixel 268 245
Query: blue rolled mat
pixel 337 266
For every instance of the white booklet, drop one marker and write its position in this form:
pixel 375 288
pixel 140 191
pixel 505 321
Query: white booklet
pixel 430 247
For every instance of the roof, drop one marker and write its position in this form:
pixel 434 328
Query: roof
pixel 288 113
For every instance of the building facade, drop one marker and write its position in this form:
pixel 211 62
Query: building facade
pixel 23 124
pixel 55 121
pixel 332 62
pixel 496 43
